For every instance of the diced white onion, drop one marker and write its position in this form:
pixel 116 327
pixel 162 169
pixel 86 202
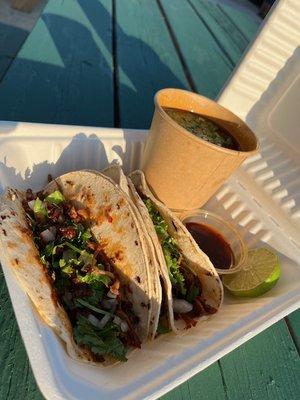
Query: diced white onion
pixel 110 274
pixel 124 326
pixel 68 255
pixel 31 204
pixel 181 306
pixel 109 303
pixel 47 236
pixel 104 321
pixel 111 295
pixel 113 308
pixel 93 320
pixel 117 320
pixel 53 230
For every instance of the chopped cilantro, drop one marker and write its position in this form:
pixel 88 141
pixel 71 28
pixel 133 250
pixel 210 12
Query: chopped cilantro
pixel 94 278
pixel 96 294
pixel 73 267
pixel 170 249
pixel 85 236
pixel 39 208
pixel 86 258
pixel 55 197
pixel 68 270
pixel 62 263
pixel 84 303
pixel 103 342
pixel 161 329
pixel 192 294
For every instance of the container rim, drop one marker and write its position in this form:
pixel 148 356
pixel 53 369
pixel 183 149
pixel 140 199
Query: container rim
pixel 185 214
pixel 194 137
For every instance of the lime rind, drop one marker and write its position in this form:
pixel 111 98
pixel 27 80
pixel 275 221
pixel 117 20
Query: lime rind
pixel 260 274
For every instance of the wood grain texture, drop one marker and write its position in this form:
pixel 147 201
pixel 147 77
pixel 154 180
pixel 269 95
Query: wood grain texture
pixel 16 378
pixel 207 62
pixel 24 5
pixel 293 322
pixel 11 39
pixel 266 367
pixel 229 38
pixel 206 385
pixel 147 60
pixel 64 69
pixel 247 25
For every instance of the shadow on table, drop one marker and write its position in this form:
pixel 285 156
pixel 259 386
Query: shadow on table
pixel 11 39
pixel 139 97
pixel 76 86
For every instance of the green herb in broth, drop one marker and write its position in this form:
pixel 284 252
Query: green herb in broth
pixel 202 127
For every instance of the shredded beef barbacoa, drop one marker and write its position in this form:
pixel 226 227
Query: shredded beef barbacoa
pixel 83 276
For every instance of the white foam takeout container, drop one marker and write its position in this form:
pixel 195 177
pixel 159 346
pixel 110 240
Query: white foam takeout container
pixel 262 199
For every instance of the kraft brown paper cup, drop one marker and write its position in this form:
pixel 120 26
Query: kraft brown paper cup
pixel 183 170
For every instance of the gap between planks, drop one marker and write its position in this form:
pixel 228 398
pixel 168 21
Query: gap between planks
pixel 226 54
pixel 186 70
pixel 292 333
pixel 115 67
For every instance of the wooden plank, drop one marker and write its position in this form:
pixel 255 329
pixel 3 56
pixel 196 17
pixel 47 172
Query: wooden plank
pixel 208 64
pixel 207 385
pixel 147 60
pixel 247 24
pixel 293 322
pixel 230 39
pixel 267 367
pixel 11 40
pixel 16 378
pixel 63 73
pixel 24 5
pixel 198 387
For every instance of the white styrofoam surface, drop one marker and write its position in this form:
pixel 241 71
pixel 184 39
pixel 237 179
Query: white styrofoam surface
pixel 262 199
pixel 28 152
pixel 265 92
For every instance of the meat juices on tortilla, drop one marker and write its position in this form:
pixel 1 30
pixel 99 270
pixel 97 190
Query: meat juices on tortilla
pixel 195 266
pixel 114 226
pixel 116 173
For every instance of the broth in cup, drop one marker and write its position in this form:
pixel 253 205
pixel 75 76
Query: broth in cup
pixel 184 166
pixel 203 128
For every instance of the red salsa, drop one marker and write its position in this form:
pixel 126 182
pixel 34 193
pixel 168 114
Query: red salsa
pixel 213 244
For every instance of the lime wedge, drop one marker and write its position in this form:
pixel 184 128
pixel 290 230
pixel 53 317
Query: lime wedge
pixel 258 275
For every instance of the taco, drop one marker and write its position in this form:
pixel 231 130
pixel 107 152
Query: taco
pixel 116 173
pixel 191 286
pixel 77 251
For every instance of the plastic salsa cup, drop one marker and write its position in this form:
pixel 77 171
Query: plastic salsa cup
pixel 223 228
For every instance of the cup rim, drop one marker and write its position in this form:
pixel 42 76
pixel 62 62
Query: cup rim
pixel 244 249
pixel 196 138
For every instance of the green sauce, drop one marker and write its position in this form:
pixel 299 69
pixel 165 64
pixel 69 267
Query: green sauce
pixel 203 128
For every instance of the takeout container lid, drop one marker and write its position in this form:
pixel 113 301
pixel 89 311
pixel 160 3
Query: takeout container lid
pixel 183 170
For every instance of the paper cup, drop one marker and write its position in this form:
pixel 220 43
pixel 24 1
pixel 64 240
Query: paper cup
pixel 183 170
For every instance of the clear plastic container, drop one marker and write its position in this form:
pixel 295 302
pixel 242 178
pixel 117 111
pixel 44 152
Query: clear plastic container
pixel 227 231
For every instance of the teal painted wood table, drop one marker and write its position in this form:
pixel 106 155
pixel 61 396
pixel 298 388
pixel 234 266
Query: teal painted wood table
pixel 99 62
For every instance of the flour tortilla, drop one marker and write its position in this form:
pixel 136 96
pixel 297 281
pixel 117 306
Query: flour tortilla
pixel 194 258
pixel 115 227
pixel 116 173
